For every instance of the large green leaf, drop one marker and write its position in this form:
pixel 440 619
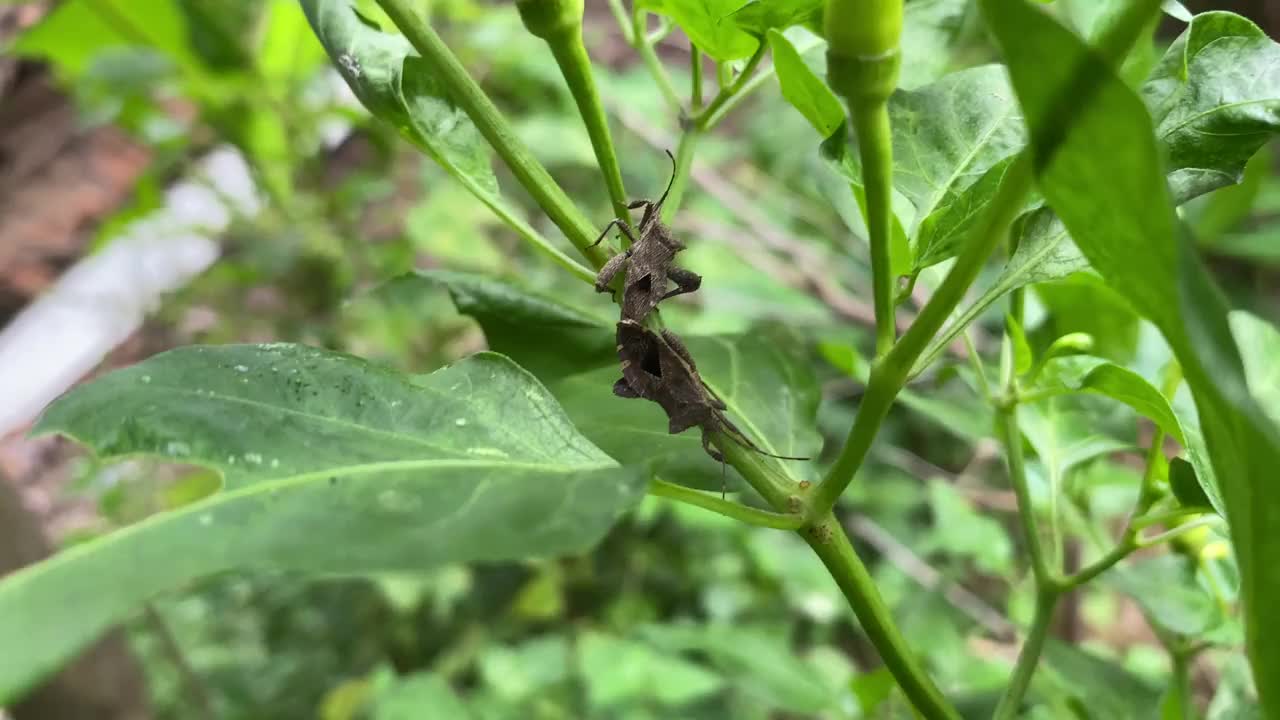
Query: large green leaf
pixel 929 29
pixel 803 89
pixel 1081 373
pixel 331 465
pixel 760 16
pixel 947 136
pixel 1105 182
pixel 711 26
pixel 1215 99
pixel 1216 95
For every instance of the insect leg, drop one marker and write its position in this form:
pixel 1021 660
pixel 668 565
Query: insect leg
pixel 686 281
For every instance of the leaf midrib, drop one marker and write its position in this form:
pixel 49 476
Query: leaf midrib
pixel 346 424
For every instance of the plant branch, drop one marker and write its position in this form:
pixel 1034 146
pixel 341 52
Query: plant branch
pixel 832 546
pixel 1011 437
pixel 571 55
pixel 1028 656
pixel 875 145
pixel 731 89
pixel 727 508
pixel 450 73
pixel 634 28
pixel 695 82
pixel 684 161
pixel 889 373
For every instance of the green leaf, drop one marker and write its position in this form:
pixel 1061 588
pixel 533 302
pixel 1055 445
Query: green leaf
pixel 1080 373
pixel 770 390
pixel 1215 99
pixel 805 90
pixel 542 334
pixel 758 660
pixel 1107 689
pixel 1085 303
pixel 1166 588
pixel 711 26
pixel 421 696
pixel 758 17
pixel 960 530
pixel 947 135
pixel 938 237
pixel 1108 156
pixel 394 84
pixel 75 32
pixel 617 671
pixel 929 30
pixel 1044 253
pixel 1209 145
pixel 331 465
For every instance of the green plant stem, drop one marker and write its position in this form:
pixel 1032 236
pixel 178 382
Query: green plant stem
pixel 730 89
pixel 831 544
pixel 695 81
pixel 634 27
pixel 453 77
pixel 1011 438
pixel 684 164
pixel 575 66
pixel 757 80
pixel 875 145
pixel 889 373
pixel 1147 496
pixel 975 360
pixel 1180 687
pixel 727 508
pixel 1028 656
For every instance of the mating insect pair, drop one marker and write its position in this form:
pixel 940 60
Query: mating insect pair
pixel 658 366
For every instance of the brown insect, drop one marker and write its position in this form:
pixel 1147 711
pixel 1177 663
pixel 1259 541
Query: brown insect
pixel 649 260
pixel 659 368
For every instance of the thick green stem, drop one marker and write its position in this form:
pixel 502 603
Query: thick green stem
pixel 1028 657
pixel 831 544
pixel 875 145
pixel 727 508
pixel 890 372
pixel 450 73
pixel 575 66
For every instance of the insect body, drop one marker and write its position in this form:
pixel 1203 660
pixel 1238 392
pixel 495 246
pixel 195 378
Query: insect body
pixel 649 261
pixel 659 368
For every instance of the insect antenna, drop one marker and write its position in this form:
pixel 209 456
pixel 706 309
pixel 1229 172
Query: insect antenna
pixel 745 441
pixel 658 205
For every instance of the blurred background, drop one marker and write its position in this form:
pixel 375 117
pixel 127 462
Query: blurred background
pixel 192 171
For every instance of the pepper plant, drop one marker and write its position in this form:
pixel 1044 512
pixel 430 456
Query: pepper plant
pixel 1067 161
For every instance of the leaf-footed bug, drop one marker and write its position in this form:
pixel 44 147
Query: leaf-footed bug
pixel 649 260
